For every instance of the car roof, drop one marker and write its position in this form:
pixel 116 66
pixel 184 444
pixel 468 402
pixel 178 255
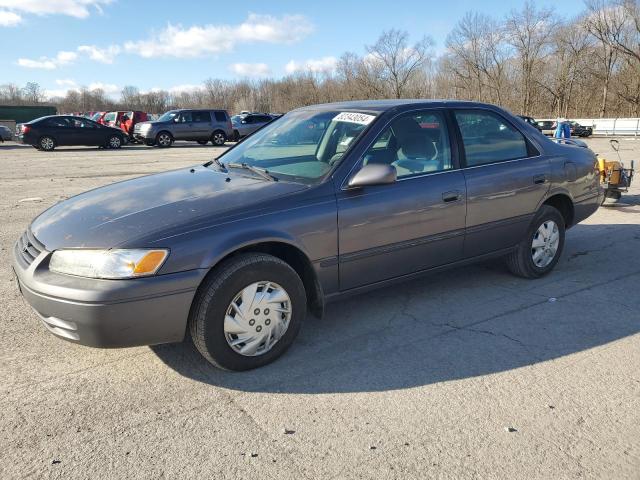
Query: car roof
pixel 391 104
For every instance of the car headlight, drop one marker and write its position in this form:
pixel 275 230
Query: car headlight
pixel 117 263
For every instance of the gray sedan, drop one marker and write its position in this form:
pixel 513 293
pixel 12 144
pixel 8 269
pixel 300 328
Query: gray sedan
pixel 5 134
pixel 236 251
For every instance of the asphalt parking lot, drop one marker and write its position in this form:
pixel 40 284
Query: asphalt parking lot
pixel 471 373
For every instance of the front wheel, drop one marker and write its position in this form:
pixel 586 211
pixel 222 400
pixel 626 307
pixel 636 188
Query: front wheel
pixel 218 138
pixel 247 312
pixel 540 250
pixel 164 140
pixel 114 142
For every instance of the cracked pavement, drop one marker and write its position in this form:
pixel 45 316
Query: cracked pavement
pixel 469 373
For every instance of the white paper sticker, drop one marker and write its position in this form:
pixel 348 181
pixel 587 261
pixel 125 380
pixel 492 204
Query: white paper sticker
pixel 354 117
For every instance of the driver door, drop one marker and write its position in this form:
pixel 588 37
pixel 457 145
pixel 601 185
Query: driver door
pixel 416 223
pixel 183 128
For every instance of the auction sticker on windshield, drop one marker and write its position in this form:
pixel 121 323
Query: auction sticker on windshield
pixel 353 117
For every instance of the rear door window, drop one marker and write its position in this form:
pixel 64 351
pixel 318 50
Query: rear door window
pixel 58 122
pixel 202 117
pixel 489 138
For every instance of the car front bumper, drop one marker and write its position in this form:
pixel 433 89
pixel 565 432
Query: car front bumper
pixel 106 313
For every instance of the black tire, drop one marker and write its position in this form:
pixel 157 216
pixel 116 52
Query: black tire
pixel 164 139
pixel 149 143
pixel 236 135
pixel 520 261
pixel 206 319
pixel 46 143
pixel 203 142
pixel 218 138
pixel 114 142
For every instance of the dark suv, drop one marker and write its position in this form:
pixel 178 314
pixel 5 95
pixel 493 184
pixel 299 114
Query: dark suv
pixel 234 252
pixel 200 126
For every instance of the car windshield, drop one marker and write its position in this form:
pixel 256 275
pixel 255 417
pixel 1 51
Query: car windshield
pixel 168 116
pixel 301 146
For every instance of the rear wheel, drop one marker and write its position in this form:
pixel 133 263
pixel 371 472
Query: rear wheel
pixel 114 142
pixel 164 139
pixel 540 250
pixel 218 138
pixel 247 312
pixel 47 143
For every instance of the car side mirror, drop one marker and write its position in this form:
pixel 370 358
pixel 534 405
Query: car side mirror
pixel 374 174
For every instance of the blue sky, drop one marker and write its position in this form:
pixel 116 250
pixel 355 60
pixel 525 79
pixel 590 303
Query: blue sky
pixel 63 44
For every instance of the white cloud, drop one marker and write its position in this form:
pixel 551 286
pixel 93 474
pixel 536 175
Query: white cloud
pixel 250 69
pixel 187 87
pixel 108 88
pixel 102 55
pixel 319 65
pixel 9 19
pixel 73 8
pixel 46 63
pixel 68 85
pixel 197 41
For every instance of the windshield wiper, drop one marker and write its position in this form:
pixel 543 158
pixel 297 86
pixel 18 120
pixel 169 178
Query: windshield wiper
pixel 218 163
pixel 258 171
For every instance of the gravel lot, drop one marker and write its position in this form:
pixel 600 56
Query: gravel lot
pixel 470 373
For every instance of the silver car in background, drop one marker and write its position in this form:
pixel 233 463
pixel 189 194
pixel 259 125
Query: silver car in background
pixel 244 125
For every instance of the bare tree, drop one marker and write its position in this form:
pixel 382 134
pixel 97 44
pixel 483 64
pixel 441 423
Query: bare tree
pixel 479 55
pixel 529 32
pixel 396 62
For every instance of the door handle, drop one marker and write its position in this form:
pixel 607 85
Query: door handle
pixel 451 196
pixel 539 179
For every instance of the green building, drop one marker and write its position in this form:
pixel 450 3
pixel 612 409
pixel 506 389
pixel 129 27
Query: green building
pixel 23 113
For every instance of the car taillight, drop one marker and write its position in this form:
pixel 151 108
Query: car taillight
pixel 26 129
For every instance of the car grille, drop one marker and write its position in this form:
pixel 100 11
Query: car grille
pixel 27 248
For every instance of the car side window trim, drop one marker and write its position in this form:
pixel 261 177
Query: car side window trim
pixel 453 145
pixel 533 150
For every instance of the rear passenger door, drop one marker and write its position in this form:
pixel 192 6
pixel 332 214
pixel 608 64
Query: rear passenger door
pixel 506 179
pixel 60 129
pixel 201 125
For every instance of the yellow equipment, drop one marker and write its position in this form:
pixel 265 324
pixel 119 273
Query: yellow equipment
pixel 614 177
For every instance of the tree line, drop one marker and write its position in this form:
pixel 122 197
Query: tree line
pixel 531 61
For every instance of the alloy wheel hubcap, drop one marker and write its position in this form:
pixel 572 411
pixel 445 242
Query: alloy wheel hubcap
pixel 115 142
pixel 257 317
pixel 219 139
pixel 47 143
pixel 545 244
pixel 164 140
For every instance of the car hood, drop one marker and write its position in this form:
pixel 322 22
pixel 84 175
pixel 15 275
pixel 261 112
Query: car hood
pixel 154 123
pixel 123 212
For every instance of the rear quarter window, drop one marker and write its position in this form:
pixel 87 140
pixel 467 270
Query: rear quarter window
pixel 221 116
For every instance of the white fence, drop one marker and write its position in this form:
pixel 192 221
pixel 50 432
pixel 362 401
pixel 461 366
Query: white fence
pixel 611 126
